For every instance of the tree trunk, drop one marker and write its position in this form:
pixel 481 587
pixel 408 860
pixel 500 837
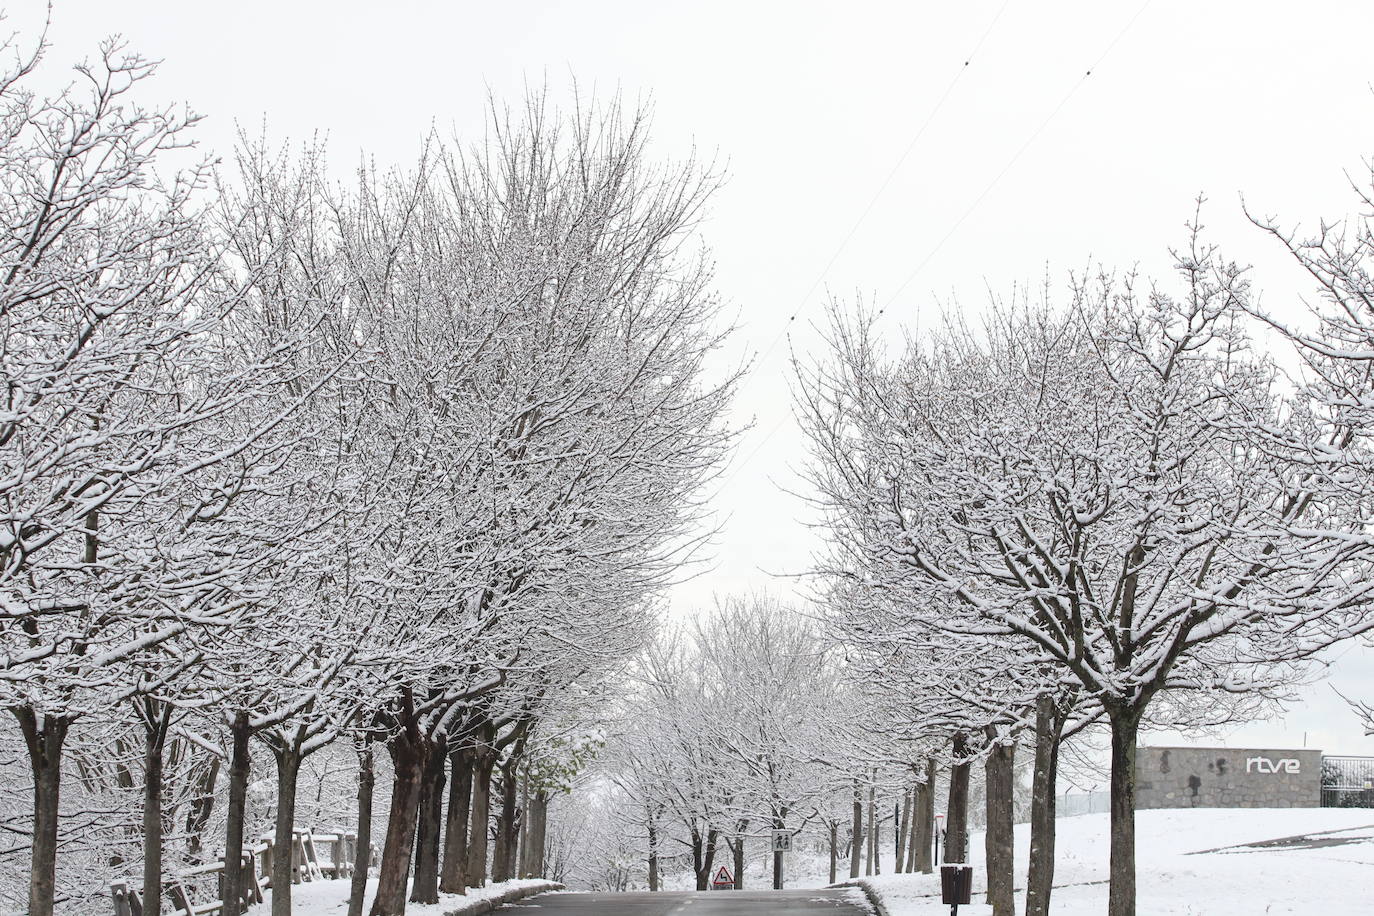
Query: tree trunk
pixel 408 760
pixel 240 762
pixel 925 857
pixel 856 833
pixel 712 837
pixel 157 719
pixel 44 739
pixel 779 823
pixel 476 867
pixel 699 866
pixel 834 851
pixel 521 860
pixel 877 828
pixel 740 829
pixel 425 887
pixel 367 778
pixel 998 845
pixel 1125 730
pixel 539 831
pixel 956 818
pixel 703 856
pixel 503 854
pixel 1049 725
pixel 868 838
pixel 903 830
pixel 202 807
pixel 456 826
pixel 698 857
pixel 653 851
pixel 288 769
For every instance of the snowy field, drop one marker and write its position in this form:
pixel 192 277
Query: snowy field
pixel 330 898
pixel 1191 862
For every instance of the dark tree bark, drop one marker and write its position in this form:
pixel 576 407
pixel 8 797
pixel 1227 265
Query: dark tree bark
pixel 903 830
pixel 653 850
pixel 998 846
pixel 503 856
pixel 834 849
pixel 703 856
pixel 856 833
pixel 425 887
pixel 44 738
pixel 202 807
pixel 408 748
pixel 1125 731
pixel 738 849
pixel 456 826
pixel 288 758
pixel 157 719
pixel 539 831
pixel 956 826
pixel 877 840
pixel 926 828
pixel 1049 726
pixel 519 862
pixel 779 823
pixel 925 821
pixel 362 854
pixel 874 865
pixel 476 867
pixel 240 763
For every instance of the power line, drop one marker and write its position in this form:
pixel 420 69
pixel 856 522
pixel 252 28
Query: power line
pixel 844 243
pixel 1012 161
pixel 863 215
pixel 734 472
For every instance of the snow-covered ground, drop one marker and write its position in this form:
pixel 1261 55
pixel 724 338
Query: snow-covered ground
pixel 1189 863
pixel 330 898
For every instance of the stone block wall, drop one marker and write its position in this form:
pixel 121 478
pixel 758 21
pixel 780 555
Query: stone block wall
pixel 1223 777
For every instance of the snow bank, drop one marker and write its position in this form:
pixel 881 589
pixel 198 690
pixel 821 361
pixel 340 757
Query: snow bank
pixel 1188 862
pixel 330 898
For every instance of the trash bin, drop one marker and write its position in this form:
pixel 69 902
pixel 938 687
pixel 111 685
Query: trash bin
pixel 956 883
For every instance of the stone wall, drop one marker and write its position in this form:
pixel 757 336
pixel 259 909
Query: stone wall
pixel 1224 777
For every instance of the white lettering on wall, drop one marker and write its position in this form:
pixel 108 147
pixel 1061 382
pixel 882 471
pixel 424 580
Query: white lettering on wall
pixel 1266 765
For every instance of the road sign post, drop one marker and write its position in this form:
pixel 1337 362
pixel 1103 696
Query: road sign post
pixel 782 843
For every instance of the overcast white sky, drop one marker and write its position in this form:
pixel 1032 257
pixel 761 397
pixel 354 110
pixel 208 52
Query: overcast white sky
pixel 1029 165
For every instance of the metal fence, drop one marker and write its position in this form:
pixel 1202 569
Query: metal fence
pixel 1072 804
pixel 1348 782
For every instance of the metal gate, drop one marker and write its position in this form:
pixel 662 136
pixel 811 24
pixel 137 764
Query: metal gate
pixel 1348 782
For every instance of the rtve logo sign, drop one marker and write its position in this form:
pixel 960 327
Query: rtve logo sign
pixel 1266 765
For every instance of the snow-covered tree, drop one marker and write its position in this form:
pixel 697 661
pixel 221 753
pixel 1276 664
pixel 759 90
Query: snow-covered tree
pixel 123 469
pixel 1097 483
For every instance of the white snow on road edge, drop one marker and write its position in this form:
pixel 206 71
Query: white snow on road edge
pixel 330 898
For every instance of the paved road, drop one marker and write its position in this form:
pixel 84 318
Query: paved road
pixel 703 903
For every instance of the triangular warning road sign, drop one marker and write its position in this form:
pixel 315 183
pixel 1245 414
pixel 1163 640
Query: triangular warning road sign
pixel 723 876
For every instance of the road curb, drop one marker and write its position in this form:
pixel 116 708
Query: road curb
pixel 487 904
pixel 874 900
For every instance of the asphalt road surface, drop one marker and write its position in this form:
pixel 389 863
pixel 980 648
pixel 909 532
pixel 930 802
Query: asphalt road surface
pixel 701 903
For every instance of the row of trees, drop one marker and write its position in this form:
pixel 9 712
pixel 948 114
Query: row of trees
pixel 283 462
pixel 1112 507
pixel 1113 513
pixel 750 719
